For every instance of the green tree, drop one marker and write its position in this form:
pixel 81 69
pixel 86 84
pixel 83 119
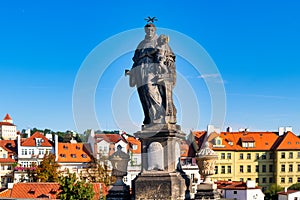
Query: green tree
pixel 71 188
pixel 295 186
pixel 271 193
pixel 98 173
pixel 47 171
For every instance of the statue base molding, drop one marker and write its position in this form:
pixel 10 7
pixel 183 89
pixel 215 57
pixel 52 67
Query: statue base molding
pixel 161 177
pixel 207 191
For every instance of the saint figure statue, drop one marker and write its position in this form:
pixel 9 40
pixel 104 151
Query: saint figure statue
pixel 154 75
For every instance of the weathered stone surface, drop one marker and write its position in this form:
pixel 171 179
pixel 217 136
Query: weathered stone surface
pixel 159 186
pixel 164 181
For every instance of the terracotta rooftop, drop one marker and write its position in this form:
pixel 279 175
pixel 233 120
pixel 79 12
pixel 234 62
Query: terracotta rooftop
pixel 233 140
pixel 11 147
pixel 35 190
pixel 111 138
pixel 31 141
pixel 7 117
pixel 233 185
pixel 72 153
pixel 133 141
pixel 288 192
pixel 6 124
pixel 287 141
pixel 5 193
pixel 46 190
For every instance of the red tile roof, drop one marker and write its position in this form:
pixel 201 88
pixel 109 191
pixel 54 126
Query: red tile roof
pixel 133 141
pixel 72 153
pixel 11 147
pixel 111 138
pixel 288 192
pixel 287 141
pixel 263 140
pixel 38 189
pixel 31 141
pixel 6 124
pixel 35 190
pixel 5 193
pixel 7 117
pixel 233 185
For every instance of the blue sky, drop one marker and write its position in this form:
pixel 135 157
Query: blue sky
pixel 254 44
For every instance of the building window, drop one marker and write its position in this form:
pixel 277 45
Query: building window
pixel 241 168
pixel 271 156
pixel 298 167
pixel 264 168
pixel 282 180
pixel 234 192
pixel 290 168
pixel 248 156
pixel 256 168
pixel 290 179
pixel 229 169
pixel 222 169
pixel 228 155
pixel 270 180
pixel 299 154
pixel 257 180
pixel 264 156
pixel 241 179
pixel 257 156
pixel 249 168
pixel 270 168
pixel 283 155
pixel 298 179
pixel 241 156
pixel 24 151
pixel 216 169
pixel 264 180
pixel 282 168
pixel 291 155
pixel 222 155
pixel 41 151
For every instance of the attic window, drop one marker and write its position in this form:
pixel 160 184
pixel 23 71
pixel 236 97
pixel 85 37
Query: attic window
pixel 53 191
pixel 73 155
pixel 32 190
pixel 297 142
pixel 78 147
pixel 289 142
pixel 63 155
pixel 134 147
pixel 84 155
pixel 65 147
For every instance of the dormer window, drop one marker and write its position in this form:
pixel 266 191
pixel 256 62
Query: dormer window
pixel 248 142
pixel 218 142
pixel 84 155
pixel 73 155
pixel 78 147
pixel 62 155
pixel 65 147
pixel 38 141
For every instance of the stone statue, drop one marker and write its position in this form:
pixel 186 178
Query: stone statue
pixel 154 74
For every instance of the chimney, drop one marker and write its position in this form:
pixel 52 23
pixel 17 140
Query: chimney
pixel 229 129
pixel 288 129
pixel 280 131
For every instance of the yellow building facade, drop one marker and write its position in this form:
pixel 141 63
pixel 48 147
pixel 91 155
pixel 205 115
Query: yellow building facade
pixel 264 157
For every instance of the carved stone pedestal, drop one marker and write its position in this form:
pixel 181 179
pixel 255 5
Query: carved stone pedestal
pixel 160 177
pixel 119 192
pixel 207 192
